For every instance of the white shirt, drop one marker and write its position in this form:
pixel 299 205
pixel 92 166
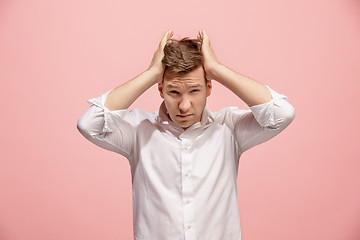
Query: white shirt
pixel 184 181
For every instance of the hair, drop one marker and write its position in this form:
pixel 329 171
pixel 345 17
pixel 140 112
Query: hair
pixel 182 56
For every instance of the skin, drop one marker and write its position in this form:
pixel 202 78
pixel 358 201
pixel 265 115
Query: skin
pixel 185 97
pixel 184 106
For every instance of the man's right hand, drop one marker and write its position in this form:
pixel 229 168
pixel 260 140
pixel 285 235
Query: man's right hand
pixel 156 66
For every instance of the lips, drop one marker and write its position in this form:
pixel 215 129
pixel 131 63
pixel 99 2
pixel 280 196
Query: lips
pixel 185 115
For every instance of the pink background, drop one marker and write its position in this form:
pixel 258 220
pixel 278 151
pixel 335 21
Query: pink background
pixel 55 55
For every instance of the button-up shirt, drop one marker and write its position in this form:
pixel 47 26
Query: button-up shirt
pixel 184 182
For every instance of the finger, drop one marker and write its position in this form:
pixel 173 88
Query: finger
pixel 206 35
pixel 170 34
pixel 203 33
pixel 167 33
pixel 199 36
pixel 165 37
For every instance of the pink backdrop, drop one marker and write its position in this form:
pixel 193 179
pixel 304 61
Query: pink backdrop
pixel 54 55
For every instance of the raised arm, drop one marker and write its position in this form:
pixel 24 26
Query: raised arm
pixel 107 123
pixel 250 91
pixel 269 114
pixel 124 95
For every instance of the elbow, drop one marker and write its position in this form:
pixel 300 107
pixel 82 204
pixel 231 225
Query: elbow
pixel 283 116
pixel 288 115
pixel 83 127
pixel 80 126
pixel 90 127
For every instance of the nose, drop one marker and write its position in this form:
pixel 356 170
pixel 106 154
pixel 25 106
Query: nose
pixel 184 104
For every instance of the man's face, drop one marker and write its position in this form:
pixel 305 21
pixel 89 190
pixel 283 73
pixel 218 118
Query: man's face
pixel 185 97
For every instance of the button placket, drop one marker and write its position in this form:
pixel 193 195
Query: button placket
pixel 187 188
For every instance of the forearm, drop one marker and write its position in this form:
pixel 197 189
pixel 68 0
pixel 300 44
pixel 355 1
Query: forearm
pixel 124 95
pixel 251 92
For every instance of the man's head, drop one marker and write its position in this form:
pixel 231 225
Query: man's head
pixel 184 87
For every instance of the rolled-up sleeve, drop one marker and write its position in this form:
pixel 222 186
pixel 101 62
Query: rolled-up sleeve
pixel 263 121
pixel 107 129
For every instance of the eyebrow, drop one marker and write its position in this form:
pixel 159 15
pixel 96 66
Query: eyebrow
pixel 196 86
pixel 171 86
pixel 176 87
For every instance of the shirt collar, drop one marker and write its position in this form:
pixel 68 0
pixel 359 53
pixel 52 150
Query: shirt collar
pixel 206 117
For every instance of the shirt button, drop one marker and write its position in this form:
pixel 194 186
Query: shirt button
pixel 187 174
pixel 189 226
pixel 186 147
pixel 188 201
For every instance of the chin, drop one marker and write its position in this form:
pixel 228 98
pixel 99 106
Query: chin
pixel 182 125
pixel 187 125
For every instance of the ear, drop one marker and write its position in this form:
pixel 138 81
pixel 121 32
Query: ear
pixel 208 88
pixel 160 88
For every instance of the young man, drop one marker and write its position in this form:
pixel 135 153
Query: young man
pixel 183 158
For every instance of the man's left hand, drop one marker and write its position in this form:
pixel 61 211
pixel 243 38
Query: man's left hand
pixel 210 60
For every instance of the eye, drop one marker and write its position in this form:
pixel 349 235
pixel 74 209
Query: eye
pixel 195 90
pixel 174 92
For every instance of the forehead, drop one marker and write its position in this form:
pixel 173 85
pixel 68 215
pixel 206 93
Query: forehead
pixel 190 79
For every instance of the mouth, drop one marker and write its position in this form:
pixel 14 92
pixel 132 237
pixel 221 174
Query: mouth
pixel 184 115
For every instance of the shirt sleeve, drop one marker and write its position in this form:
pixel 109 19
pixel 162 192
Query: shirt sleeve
pixel 262 122
pixel 112 130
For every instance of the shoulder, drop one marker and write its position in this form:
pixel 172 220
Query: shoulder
pixel 229 112
pixel 230 116
pixel 137 115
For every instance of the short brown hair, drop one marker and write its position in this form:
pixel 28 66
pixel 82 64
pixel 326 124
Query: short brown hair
pixel 182 56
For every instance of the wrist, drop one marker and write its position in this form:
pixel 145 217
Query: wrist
pixel 214 71
pixel 155 75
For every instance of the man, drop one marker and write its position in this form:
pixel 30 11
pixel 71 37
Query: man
pixel 184 159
